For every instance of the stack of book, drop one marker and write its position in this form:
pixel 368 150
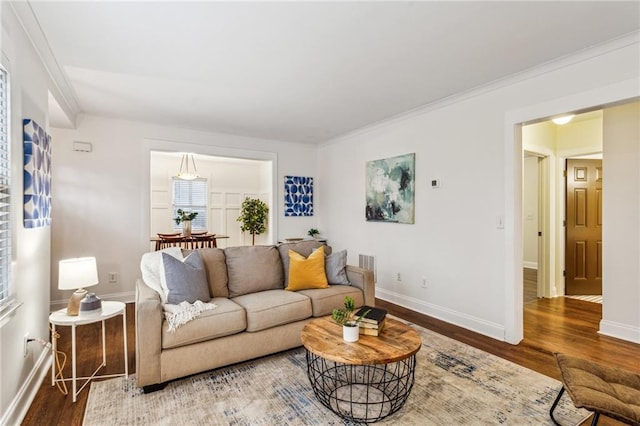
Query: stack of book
pixel 371 320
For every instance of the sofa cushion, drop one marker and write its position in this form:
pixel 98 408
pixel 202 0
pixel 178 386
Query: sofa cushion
pixel 226 319
pixel 305 248
pixel 271 308
pixel 186 279
pixel 324 301
pixel 215 264
pixel 252 269
pixel 307 272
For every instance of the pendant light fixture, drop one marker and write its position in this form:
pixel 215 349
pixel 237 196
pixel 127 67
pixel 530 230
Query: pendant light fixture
pixel 187 171
pixel 563 119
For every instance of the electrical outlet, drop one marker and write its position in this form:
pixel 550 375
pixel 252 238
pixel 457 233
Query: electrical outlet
pixel 424 282
pixel 113 277
pixel 25 346
pixel 399 277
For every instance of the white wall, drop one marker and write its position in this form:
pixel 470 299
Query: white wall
pixel 471 267
pixel 20 376
pixel 579 137
pixel 101 199
pixel 621 230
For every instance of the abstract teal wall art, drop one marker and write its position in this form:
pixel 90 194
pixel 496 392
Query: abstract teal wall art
pixel 390 189
pixel 298 196
pixel 37 175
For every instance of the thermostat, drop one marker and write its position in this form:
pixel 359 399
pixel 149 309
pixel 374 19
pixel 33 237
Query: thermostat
pixel 435 183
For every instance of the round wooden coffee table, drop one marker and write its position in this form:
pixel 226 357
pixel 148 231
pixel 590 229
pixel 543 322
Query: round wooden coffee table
pixel 363 381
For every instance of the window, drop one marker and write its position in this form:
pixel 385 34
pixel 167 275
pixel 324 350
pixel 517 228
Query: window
pixel 6 305
pixel 191 195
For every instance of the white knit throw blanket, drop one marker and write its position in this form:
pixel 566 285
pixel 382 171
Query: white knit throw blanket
pixel 178 315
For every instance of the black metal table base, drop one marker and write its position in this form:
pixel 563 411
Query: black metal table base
pixel 361 393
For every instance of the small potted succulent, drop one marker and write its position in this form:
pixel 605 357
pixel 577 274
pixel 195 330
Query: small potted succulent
pixel 344 317
pixel 185 217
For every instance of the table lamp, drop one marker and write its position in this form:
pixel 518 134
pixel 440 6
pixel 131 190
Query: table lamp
pixel 75 274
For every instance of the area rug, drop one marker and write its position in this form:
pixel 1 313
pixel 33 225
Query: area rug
pixel 455 384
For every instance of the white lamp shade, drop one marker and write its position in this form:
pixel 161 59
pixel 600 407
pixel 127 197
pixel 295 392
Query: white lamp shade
pixel 77 273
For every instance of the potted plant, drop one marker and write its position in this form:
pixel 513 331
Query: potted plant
pixel 344 317
pixel 313 233
pixel 253 217
pixel 185 217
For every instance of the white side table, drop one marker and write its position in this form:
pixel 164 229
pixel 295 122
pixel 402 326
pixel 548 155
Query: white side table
pixel 60 318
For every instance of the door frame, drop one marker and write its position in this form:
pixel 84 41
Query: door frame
pixel 592 99
pixel 546 219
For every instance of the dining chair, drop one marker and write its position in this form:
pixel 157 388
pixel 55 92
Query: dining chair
pixel 205 240
pixel 169 240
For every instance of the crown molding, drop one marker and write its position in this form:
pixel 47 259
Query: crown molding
pixel 61 88
pixel 591 52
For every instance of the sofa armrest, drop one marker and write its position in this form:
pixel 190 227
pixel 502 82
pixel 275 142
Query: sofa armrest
pixel 148 335
pixel 363 279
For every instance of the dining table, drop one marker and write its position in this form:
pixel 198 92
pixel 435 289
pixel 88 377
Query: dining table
pixel 193 241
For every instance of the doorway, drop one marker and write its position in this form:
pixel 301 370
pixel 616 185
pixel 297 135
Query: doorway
pixel 515 121
pixel 533 252
pixel 546 148
pixel 225 193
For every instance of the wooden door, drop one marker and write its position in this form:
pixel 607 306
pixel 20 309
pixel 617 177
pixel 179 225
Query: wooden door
pixel 583 259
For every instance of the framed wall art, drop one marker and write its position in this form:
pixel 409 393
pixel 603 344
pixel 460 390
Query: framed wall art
pixel 390 189
pixel 298 196
pixel 37 175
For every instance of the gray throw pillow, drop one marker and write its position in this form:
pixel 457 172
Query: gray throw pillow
pixel 335 266
pixel 186 280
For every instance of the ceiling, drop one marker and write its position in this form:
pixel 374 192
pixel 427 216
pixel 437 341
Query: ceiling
pixel 300 71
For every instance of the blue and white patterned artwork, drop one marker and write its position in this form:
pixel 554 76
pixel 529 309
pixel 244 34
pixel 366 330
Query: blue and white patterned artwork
pixel 298 196
pixel 37 175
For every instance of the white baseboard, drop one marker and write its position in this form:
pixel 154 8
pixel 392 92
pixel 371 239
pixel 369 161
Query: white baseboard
pixel 127 297
pixel 487 328
pixel 620 331
pixel 27 392
pixel 530 265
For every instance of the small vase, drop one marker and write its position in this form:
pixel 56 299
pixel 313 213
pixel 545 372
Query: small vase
pixel 186 228
pixel 350 333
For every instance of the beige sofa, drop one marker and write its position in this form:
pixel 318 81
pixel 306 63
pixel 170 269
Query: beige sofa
pixel 254 316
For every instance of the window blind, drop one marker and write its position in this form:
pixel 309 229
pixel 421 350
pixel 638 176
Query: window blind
pixel 5 189
pixel 191 195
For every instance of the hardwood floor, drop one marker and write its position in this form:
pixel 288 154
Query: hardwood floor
pixel 530 290
pixel 50 406
pixel 551 325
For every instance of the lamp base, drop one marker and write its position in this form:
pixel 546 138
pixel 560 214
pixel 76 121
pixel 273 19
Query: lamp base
pixel 73 307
